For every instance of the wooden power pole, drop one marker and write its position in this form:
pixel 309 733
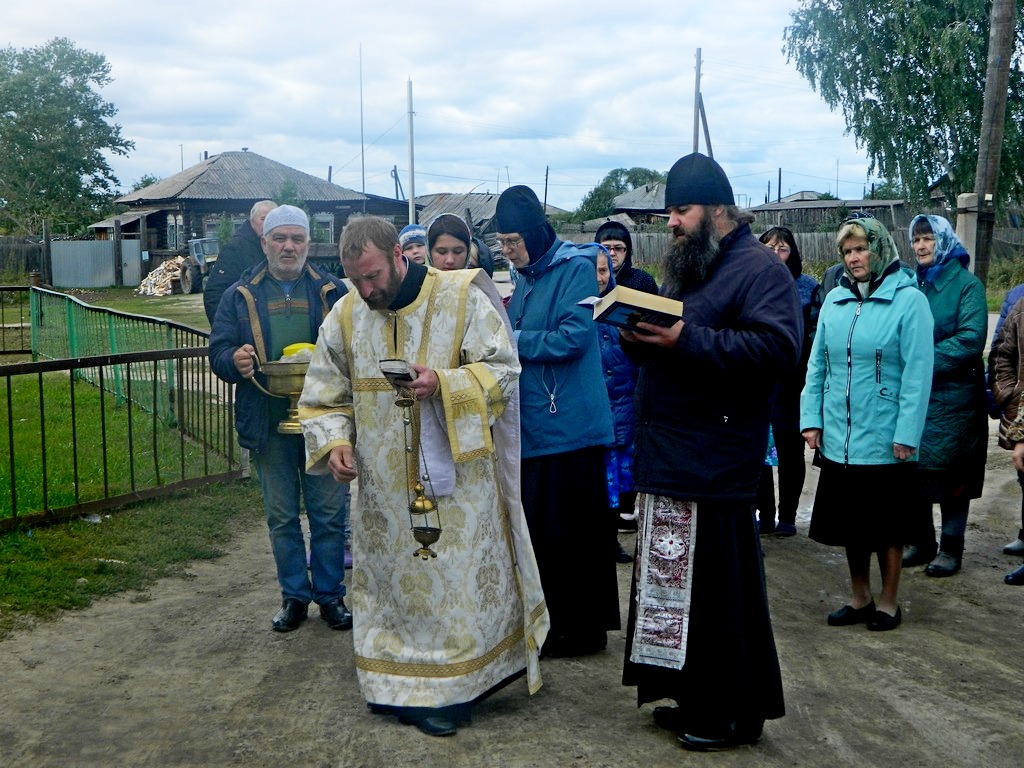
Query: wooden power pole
pixel 1002 26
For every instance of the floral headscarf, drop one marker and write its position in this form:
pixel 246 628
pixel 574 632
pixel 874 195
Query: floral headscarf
pixel 947 247
pixel 881 247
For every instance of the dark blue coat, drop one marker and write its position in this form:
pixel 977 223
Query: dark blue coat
pixel 703 407
pixel 620 374
pixel 236 324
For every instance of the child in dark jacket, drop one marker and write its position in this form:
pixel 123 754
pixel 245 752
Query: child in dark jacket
pixel 620 377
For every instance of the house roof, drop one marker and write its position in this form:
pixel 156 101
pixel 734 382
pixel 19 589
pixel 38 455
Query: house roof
pixel 481 207
pixel 806 204
pixel 649 197
pixel 238 176
pixel 592 225
pixel 129 217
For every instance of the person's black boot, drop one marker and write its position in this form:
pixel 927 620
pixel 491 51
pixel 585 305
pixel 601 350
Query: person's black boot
pixel 947 562
pixel 914 554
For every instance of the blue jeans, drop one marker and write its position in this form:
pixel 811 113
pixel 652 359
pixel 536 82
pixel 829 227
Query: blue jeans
pixel 282 477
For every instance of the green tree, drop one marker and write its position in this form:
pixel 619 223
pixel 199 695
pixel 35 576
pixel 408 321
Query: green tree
pixel 889 190
pixel 288 194
pixel 599 201
pixel 146 180
pixel 909 79
pixel 54 131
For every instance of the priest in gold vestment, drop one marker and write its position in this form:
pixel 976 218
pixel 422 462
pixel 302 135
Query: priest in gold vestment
pixel 432 636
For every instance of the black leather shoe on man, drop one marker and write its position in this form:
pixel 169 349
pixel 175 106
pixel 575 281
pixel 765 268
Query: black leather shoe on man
pixel 734 735
pixel 336 615
pixel 293 612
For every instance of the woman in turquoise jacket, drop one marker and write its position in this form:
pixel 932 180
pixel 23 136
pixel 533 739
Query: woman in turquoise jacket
pixel 863 410
pixel 955 440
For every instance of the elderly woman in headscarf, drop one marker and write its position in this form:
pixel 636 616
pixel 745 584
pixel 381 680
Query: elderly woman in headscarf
pixel 863 410
pixel 955 441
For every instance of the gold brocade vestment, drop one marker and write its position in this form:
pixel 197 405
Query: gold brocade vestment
pixel 431 633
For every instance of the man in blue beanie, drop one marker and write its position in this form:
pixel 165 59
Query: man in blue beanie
pixel 566 422
pixel 699 630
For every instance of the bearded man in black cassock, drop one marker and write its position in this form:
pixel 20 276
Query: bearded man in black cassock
pixel 699 629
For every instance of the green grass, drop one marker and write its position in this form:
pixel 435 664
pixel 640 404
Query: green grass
pixel 186 309
pixel 156 454
pixel 66 566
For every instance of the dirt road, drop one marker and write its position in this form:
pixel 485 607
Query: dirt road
pixel 188 674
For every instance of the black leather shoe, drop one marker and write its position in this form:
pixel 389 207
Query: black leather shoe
pixel 847 616
pixel 432 725
pixel 944 564
pixel 914 555
pixel 883 622
pixel 1015 547
pixel 1016 578
pixel 669 718
pixel 293 612
pixel 736 735
pixel 336 615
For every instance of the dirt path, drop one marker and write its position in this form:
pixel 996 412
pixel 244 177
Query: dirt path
pixel 189 674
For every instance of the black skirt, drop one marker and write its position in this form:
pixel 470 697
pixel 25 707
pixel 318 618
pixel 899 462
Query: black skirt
pixel 864 506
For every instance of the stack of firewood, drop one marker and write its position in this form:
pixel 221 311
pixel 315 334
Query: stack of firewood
pixel 164 280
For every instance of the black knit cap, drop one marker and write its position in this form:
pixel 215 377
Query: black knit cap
pixel 697 180
pixel 518 210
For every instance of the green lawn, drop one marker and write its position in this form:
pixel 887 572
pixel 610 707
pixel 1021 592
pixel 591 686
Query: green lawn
pixel 66 566
pixel 186 309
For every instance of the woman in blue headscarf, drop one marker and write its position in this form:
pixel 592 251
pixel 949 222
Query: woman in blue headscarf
pixel 954 444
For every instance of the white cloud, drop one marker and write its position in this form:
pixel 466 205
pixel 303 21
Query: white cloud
pixel 502 92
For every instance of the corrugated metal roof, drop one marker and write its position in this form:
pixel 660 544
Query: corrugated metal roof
pixel 592 225
pixel 649 197
pixel 480 204
pixel 126 218
pixel 809 204
pixel 481 207
pixel 238 176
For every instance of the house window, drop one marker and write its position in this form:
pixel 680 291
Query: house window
pixel 323 228
pixel 212 224
pixel 175 232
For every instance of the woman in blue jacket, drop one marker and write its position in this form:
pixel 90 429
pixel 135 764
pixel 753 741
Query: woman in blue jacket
pixel 566 424
pixel 863 410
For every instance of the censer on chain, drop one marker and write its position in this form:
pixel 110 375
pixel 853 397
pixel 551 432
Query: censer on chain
pixel 424 516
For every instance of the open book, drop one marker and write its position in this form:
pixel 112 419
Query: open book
pixel 625 307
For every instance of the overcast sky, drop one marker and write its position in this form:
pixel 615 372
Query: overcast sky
pixel 501 91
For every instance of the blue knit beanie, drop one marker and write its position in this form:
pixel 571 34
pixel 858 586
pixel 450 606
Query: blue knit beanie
pixel 413 234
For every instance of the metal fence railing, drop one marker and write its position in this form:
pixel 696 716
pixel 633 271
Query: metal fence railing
pixel 115 408
pixel 15 323
pixel 72 446
pixel 65 328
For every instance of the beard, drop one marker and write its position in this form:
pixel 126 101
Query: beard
pixel 689 258
pixel 381 298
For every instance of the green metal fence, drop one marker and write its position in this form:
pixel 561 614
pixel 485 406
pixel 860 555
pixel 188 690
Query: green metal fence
pixel 64 328
pixel 114 408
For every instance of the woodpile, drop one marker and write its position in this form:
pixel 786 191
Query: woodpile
pixel 164 279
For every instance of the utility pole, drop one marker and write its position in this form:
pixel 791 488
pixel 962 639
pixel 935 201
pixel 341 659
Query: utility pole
pixel 696 107
pixel 412 164
pixel 986 179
